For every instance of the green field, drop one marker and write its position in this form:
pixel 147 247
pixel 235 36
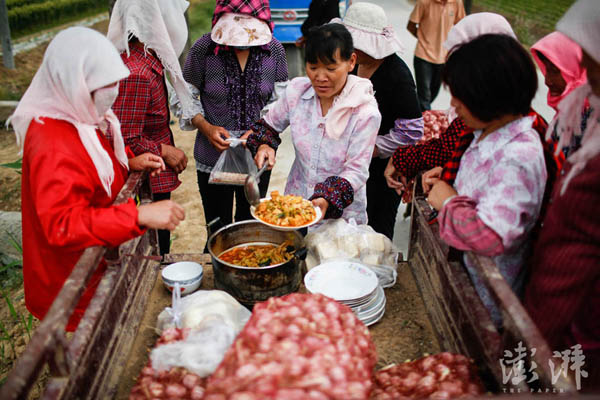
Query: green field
pixel 531 19
pixel 199 18
pixel 31 16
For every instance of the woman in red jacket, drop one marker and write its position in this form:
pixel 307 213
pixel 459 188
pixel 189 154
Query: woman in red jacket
pixel 563 293
pixel 71 172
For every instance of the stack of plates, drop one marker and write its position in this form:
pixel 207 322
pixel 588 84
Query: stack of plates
pixel 352 284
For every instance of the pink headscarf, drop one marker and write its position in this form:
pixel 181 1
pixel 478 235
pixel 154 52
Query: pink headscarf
pixel 566 55
pixel 357 92
pixel 62 89
pixel 581 23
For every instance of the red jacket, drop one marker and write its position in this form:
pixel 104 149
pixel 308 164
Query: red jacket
pixel 65 210
pixel 563 294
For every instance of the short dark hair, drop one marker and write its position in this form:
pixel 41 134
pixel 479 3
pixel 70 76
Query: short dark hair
pixel 323 41
pixel 492 75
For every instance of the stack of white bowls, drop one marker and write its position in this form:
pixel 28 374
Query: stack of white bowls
pixel 352 284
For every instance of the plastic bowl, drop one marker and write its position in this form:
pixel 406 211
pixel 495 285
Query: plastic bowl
pixel 187 273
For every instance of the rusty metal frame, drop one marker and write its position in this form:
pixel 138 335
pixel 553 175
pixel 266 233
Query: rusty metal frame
pixel 79 367
pixel 460 320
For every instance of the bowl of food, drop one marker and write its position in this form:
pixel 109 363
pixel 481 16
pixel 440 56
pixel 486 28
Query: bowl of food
pixel 286 212
pixel 186 274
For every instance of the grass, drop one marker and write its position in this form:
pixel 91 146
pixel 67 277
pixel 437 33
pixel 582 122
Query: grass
pixel 530 19
pixel 200 17
pixel 17 34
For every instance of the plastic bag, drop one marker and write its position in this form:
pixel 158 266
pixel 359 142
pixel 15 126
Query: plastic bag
pixel 338 239
pixel 210 319
pixel 234 164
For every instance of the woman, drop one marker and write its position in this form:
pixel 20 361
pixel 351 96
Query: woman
pixel 563 294
pixel 376 46
pixel 408 161
pixel 333 118
pixel 150 35
pixel 499 186
pixel 319 12
pixel 71 172
pixel 234 69
pixel 559 59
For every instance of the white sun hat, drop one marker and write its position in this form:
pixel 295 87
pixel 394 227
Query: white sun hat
pixel 240 30
pixel 475 25
pixel 370 30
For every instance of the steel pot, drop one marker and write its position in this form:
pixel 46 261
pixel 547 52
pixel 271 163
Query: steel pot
pixel 250 285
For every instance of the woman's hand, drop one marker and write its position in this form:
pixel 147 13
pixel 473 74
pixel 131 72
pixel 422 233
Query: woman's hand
pixel 322 204
pixel 430 178
pixel 216 135
pixel 165 214
pixel 245 136
pixel 265 152
pixel 439 193
pixel 147 161
pixel 394 179
pixel 174 157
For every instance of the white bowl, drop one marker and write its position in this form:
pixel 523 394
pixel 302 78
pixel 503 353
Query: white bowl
pixel 187 274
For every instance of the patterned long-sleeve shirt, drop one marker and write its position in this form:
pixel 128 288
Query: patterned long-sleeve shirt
pixel 502 178
pixel 410 160
pixel 318 156
pixel 463 141
pixel 231 98
pixel 142 108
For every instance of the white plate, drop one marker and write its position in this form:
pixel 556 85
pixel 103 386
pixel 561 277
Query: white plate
pixel 341 280
pixel 375 319
pixel 286 228
pixel 365 300
pixel 361 302
pixel 374 304
pixel 371 319
pixel 373 312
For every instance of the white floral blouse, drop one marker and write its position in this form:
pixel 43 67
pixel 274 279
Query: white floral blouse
pixel 318 156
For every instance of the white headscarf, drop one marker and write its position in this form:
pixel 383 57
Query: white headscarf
pixel 62 89
pixel 475 25
pixel 160 25
pixel 581 23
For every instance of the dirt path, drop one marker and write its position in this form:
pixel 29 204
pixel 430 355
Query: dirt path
pixel 190 235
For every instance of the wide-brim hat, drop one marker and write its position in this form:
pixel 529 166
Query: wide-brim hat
pixel 240 30
pixel 370 30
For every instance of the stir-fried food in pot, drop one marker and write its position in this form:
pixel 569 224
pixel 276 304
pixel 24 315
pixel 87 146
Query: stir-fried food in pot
pixel 287 210
pixel 259 255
